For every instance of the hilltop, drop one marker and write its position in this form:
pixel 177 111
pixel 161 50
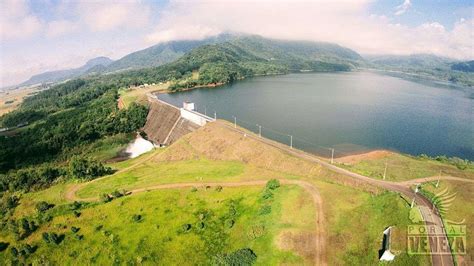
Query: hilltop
pixel 293 55
pixel 61 75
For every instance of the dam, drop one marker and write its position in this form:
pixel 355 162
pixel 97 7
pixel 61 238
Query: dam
pixel 166 123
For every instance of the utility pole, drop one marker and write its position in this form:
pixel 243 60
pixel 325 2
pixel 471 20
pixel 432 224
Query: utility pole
pixel 259 130
pixel 332 155
pixel 291 141
pixel 416 191
pixel 205 110
pixel 385 171
pixel 215 115
pixel 235 121
pixel 439 177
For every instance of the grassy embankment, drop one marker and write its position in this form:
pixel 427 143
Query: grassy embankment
pixel 457 210
pixel 355 216
pixel 401 167
pixel 138 94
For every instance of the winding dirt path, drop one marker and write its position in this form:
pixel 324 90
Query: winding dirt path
pixel 320 243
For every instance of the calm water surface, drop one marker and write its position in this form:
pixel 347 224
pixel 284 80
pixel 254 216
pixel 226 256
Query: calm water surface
pixel 350 112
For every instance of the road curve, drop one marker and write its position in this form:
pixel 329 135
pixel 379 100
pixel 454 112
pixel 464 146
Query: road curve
pixel 428 211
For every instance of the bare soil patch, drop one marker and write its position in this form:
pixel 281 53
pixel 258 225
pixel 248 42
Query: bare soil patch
pixel 352 159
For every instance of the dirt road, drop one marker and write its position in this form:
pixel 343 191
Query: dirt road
pixel 427 210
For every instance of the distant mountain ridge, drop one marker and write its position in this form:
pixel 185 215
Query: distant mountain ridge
pixel 61 75
pixel 163 53
pixel 168 52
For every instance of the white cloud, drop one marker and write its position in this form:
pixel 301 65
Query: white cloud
pixel 60 27
pixel 110 15
pixel 403 8
pixel 343 22
pixel 16 20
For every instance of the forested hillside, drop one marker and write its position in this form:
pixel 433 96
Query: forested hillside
pixel 426 66
pixel 467 66
pixel 243 57
pixel 286 55
pixel 62 122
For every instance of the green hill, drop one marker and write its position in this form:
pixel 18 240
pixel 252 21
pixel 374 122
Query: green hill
pixel 241 57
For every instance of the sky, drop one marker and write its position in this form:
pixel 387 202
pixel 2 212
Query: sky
pixel 44 35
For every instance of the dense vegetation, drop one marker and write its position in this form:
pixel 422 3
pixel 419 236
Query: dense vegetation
pixel 240 58
pixel 467 66
pixel 61 121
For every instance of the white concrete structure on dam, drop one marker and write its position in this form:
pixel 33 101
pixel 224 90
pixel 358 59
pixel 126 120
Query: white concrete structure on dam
pixel 187 112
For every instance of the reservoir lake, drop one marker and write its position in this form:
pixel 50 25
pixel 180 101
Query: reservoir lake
pixel 348 112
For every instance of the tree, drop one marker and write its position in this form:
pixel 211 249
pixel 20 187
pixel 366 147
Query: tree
pixel 43 206
pixel 82 168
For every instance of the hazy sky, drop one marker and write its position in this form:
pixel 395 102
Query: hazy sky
pixel 43 35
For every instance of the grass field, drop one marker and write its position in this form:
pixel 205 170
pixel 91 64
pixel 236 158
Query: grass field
pixel 403 167
pixel 111 235
pixel 355 215
pixel 10 100
pixel 138 94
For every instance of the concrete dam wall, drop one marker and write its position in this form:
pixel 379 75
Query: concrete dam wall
pixel 166 123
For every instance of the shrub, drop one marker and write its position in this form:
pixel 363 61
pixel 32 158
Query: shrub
pixel 52 238
pixel 76 205
pixel 194 189
pixel 200 225
pixel 79 237
pixel 229 223
pixel 3 246
pixel 14 252
pixel 265 210
pixel 137 218
pixel 77 214
pixel 55 238
pixel 75 229
pixel 118 194
pixel 45 237
pixel 273 184
pixel 219 188
pixel 241 257
pixel 43 206
pixel 105 198
pixel 26 227
pixel 267 194
pixel 186 227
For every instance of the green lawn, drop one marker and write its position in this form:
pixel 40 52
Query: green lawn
pixel 111 235
pixel 356 220
pixel 151 173
pixel 403 167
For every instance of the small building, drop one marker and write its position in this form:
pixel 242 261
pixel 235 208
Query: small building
pixel 189 106
pixel 385 254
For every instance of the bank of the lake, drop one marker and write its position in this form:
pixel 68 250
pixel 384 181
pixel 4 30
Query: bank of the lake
pixel 350 112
